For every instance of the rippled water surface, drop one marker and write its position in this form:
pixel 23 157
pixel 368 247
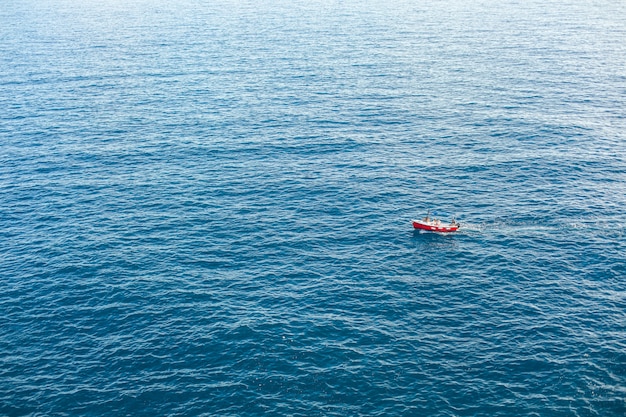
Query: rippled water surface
pixel 205 208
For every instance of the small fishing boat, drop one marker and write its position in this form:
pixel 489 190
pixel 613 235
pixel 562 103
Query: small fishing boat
pixel 433 224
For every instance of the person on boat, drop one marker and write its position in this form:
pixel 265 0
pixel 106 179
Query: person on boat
pixel 426 219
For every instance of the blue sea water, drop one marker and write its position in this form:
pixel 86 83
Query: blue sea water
pixel 205 208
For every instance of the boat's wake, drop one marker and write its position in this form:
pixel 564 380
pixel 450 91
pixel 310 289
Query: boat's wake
pixel 531 226
pixel 473 227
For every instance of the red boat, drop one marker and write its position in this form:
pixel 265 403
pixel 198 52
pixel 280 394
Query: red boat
pixel 435 225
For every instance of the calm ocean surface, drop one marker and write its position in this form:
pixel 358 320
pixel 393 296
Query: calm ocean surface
pixel 205 208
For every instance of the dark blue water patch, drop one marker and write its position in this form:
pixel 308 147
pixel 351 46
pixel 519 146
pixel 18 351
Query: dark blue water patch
pixel 206 209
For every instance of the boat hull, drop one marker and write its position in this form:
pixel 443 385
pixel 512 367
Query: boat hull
pixel 419 225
